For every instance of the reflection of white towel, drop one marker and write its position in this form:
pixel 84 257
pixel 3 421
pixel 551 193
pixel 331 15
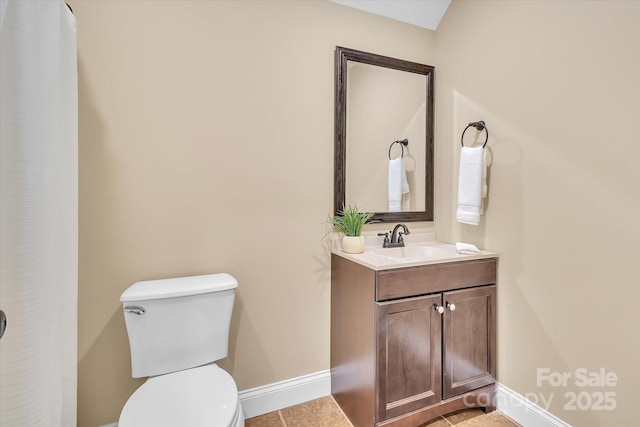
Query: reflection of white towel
pixel 471 185
pixel 398 184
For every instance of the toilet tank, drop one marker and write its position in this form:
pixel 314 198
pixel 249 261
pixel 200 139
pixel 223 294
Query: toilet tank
pixel 180 323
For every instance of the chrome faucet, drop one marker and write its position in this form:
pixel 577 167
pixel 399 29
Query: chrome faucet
pixel 396 240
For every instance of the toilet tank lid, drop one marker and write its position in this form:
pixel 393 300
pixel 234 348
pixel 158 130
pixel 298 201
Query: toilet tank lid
pixel 179 287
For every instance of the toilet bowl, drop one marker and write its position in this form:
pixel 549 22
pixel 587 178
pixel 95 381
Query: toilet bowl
pixel 177 329
pixel 199 397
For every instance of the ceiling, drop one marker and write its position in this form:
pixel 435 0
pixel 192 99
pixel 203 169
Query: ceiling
pixel 423 13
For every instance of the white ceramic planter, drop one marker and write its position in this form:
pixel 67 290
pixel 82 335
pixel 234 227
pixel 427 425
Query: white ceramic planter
pixel 353 244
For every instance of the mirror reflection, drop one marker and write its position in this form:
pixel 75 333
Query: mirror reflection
pixel 385 105
pixel 381 101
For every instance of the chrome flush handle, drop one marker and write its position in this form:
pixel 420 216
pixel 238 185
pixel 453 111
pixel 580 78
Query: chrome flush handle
pixel 135 309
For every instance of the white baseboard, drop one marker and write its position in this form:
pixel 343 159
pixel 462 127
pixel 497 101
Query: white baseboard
pixel 272 397
pixel 523 411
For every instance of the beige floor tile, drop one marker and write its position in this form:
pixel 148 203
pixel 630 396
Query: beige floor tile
pixel 492 419
pixel 272 419
pixel 325 412
pixel 466 414
pixel 438 422
pixel 500 416
pixel 321 412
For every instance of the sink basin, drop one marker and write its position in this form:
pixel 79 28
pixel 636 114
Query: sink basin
pixel 410 253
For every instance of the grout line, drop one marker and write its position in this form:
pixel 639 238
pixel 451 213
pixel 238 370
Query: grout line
pixel 284 423
pixel 446 420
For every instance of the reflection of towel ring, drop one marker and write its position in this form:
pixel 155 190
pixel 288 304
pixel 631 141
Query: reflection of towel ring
pixel 479 126
pixel 402 143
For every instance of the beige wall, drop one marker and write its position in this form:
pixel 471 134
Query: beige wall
pixel 206 145
pixel 558 84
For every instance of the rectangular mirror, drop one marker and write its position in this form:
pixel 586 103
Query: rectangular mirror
pixel 381 101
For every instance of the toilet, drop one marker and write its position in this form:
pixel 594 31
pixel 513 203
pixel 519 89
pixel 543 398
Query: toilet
pixel 177 329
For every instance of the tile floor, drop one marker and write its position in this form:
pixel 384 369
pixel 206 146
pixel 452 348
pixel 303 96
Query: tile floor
pixel 325 412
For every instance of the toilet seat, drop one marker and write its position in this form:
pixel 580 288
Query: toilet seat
pixel 205 396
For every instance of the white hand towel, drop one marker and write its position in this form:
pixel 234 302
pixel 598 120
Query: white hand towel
pixel 467 248
pixel 471 185
pixel 485 190
pixel 398 184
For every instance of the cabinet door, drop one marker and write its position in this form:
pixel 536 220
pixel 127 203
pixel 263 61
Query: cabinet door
pixel 408 355
pixel 469 345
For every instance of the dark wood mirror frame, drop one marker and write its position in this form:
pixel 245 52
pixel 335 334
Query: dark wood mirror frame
pixel 342 55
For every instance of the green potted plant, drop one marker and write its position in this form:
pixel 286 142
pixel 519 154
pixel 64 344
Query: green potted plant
pixel 349 221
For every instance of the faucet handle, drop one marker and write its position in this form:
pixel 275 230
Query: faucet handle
pixel 385 244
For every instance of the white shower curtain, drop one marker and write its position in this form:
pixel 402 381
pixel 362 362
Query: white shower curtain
pixel 38 213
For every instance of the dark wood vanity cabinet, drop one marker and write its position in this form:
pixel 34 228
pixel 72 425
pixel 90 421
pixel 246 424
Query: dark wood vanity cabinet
pixel 468 335
pixel 408 349
pixel 410 344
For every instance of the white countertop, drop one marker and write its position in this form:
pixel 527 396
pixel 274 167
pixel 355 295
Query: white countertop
pixel 378 258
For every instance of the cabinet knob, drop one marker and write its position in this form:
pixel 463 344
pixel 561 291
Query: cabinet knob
pixel 438 308
pixel 451 306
